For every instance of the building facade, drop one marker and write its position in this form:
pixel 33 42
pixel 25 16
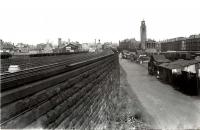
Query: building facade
pixel 22 48
pixel 107 45
pixel 48 48
pixel 129 44
pixel 191 43
pixel 85 47
pixel 143 34
pixel 151 46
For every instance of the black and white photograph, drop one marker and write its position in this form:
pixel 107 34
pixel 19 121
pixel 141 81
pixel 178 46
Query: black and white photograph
pixel 100 64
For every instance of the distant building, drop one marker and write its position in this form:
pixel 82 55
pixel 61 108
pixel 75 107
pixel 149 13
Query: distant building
pixel 191 43
pixel 194 36
pixel 143 34
pixel 78 44
pixel 151 46
pixel 107 45
pixel 129 44
pixel 45 48
pixel 85 47
pixel 71 47
pixel 48 48
pixel 33 49
pixel 40 47
pixel 6 46
pixel 22 48
pixel 91 49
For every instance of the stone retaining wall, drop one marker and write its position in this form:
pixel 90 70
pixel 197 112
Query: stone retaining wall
pixel 83 98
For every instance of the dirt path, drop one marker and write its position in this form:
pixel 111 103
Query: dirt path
pixel 130 113
pixel 169 108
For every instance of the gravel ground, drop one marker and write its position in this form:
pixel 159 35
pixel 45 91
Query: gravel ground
pixel 169 108
pixel 130 113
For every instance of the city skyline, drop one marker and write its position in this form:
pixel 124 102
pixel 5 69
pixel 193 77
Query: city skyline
pixel 37 21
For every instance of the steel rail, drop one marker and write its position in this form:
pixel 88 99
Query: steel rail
pixel 35 61
pixel 29 109
pixel 32 74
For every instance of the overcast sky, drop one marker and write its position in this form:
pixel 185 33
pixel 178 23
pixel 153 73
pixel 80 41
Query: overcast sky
pixel 36 21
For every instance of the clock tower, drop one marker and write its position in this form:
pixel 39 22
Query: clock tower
pixel 143 34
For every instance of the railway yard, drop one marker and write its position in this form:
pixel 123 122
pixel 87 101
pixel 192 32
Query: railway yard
pixel 26 62
pixel 32 94
pixel 100 65
pixel 148 97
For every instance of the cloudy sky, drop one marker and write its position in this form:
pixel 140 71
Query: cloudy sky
pixel 36 21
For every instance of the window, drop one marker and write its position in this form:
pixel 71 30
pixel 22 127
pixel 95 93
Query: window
pixel 183 45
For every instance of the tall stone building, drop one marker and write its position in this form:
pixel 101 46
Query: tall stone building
pixel 143 34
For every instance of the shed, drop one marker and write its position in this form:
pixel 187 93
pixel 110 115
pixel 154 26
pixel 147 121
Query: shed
pixel 182 73
pixel 156 60
pixel 182 65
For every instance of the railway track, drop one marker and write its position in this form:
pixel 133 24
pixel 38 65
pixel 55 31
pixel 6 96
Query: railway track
pixel 51 68
pixel 29 62
pixel 12 84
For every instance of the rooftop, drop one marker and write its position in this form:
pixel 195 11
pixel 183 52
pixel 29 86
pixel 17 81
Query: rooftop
pixel 179 64
pixel 160 58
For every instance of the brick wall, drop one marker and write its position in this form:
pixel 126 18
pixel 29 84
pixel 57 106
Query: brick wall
pixel 82 98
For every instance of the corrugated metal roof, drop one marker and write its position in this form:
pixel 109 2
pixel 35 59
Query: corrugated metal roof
pixel 179 64
pixel 160 58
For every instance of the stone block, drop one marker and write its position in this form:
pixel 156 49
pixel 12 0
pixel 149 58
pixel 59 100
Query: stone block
pixel 12 109
pixel 20 121
pixel 44 108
